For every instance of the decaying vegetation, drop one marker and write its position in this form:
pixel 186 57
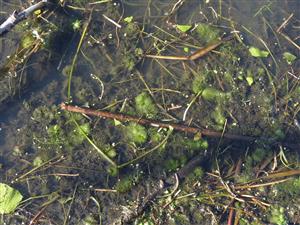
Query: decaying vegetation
pixel 181 114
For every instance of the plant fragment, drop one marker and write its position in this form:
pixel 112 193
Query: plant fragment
pixel 289 57
pixel 183 28
pixel 256 52
pixel 9 199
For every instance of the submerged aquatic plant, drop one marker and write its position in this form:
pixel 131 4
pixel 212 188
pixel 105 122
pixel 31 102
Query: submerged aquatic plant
pixel 218 116
pixel 256 52
pixel 289 57
pixel 207 33
pixel 212 94
pixel 289 189
pixel 54 134
pixel 145 105
pixel 277 216
pixel 126 183
pixel 136 133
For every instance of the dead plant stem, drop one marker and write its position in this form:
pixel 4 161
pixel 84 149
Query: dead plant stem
pixel 153 123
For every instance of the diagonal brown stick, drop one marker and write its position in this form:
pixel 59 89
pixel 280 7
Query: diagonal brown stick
pixel 153 123
pixel 196 55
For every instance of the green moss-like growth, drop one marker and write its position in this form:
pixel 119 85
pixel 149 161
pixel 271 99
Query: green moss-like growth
pixel 89 220
pixel 244 221
pixel 181 219
pixel 110 151
pixel 196 175
pixel 131 30
pixel 258 155
pixel 218 116
pixel 27 40
pixel 252 160
pixel 198 172
pixel 45 114
pixel 126 183
pixel 54 133
pixel 145 105
pixel 146 221
pixel 78 135
pixel 175 163
pixel 276 215
pixel 37 161
pixel 112 171
pixel 199 83
pixel 279 134
pixel 207 33
pixel 193 145
pixel 58 137
pixel 136 133
pixel 212 94
pixel 289 188
pixel 172 164
pixel 157 137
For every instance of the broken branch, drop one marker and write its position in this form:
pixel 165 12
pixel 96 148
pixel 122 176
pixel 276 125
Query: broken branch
pixel 16 16
pixel 153 123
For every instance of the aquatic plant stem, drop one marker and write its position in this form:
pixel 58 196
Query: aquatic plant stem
pixel 104 156
pixel 70 206
pixel 38 167
pixel 153 123
pixel 69 93
pixel 76 55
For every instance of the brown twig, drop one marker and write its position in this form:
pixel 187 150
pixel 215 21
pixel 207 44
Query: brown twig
pixel 196 55
pixel 153 123
pixel 230 216
pixel 35 219
pixel 285 22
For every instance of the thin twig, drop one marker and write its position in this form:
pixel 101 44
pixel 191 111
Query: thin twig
pixel 35 219
pixel 40 166
pixel 112 21
pixel 105 190
pixel 284 23
pixel 290 40
pixel 196 55
pixel 153 123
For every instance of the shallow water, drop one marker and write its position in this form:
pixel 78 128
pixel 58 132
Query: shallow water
pixel 255 21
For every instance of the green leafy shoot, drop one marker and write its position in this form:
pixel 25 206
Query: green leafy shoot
pixel 117 122
pixel 9 199
pixel 256 52
pixel 128 19
pixel 289 57
pixel 186 49
pixel 183 28
pixel 249 80
pixel 76 25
